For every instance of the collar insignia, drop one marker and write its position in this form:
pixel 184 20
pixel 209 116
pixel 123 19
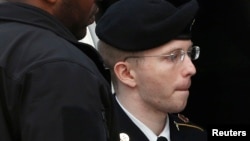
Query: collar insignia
pixel 124 137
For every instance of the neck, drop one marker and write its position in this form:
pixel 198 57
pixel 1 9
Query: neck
pixel 155 120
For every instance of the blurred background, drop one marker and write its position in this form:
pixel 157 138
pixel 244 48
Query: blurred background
pixel 220 91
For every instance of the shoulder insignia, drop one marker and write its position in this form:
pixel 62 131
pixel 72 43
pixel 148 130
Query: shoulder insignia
pixel 183 118
pixel 178 125
pixel 186 123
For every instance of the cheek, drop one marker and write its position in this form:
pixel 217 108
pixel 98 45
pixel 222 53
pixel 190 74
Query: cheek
pixel 163 82
pixel 86 7
pixel 159 76
pixel 154 72
pixel 156 81
pixel 81 9
pixel 163 75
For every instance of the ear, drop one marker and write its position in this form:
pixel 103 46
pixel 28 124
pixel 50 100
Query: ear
pixel 125 73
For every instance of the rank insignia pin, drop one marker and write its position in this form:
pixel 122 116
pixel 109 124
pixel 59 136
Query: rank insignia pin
pixel 124 137
pixel 183 118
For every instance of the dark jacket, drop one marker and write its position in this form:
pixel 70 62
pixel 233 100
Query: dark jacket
pixel 52 87
pixel 180 128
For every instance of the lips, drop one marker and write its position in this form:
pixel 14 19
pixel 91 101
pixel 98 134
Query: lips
pixel 184 87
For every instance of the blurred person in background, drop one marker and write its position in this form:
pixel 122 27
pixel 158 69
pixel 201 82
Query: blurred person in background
pixel 52 87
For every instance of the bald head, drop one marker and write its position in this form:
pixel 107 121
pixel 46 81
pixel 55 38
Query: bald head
pixel 75 15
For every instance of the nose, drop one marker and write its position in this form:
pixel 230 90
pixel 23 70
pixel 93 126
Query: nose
pixel 188 67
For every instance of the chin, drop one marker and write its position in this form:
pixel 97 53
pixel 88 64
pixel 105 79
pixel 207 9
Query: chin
pixel 81 35
pixel 180 107
pixel 177 108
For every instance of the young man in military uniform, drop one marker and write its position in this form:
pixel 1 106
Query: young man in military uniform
pixel 147 46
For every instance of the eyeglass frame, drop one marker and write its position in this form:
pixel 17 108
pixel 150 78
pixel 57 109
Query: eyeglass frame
pixel 182 53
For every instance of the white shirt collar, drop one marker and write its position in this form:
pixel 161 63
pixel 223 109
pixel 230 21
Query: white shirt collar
pixel 148 132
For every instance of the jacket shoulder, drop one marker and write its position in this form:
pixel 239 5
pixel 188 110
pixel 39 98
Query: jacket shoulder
pixel 182 128
pixel 183 122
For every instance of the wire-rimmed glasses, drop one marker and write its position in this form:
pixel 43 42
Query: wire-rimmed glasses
pixel 177 55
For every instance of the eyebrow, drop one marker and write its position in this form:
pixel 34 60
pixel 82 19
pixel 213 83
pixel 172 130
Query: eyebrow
pixel 171 50
pixel 174 49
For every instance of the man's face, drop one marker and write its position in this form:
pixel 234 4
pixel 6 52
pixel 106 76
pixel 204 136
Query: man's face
pixel 163 85
pixel 76 15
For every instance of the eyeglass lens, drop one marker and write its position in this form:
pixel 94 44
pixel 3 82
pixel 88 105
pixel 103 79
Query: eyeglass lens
pixel 194 53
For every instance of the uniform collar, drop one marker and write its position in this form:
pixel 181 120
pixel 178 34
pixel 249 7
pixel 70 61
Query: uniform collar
pixel 148 132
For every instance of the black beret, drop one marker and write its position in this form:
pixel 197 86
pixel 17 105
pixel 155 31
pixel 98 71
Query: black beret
pixel 137 25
